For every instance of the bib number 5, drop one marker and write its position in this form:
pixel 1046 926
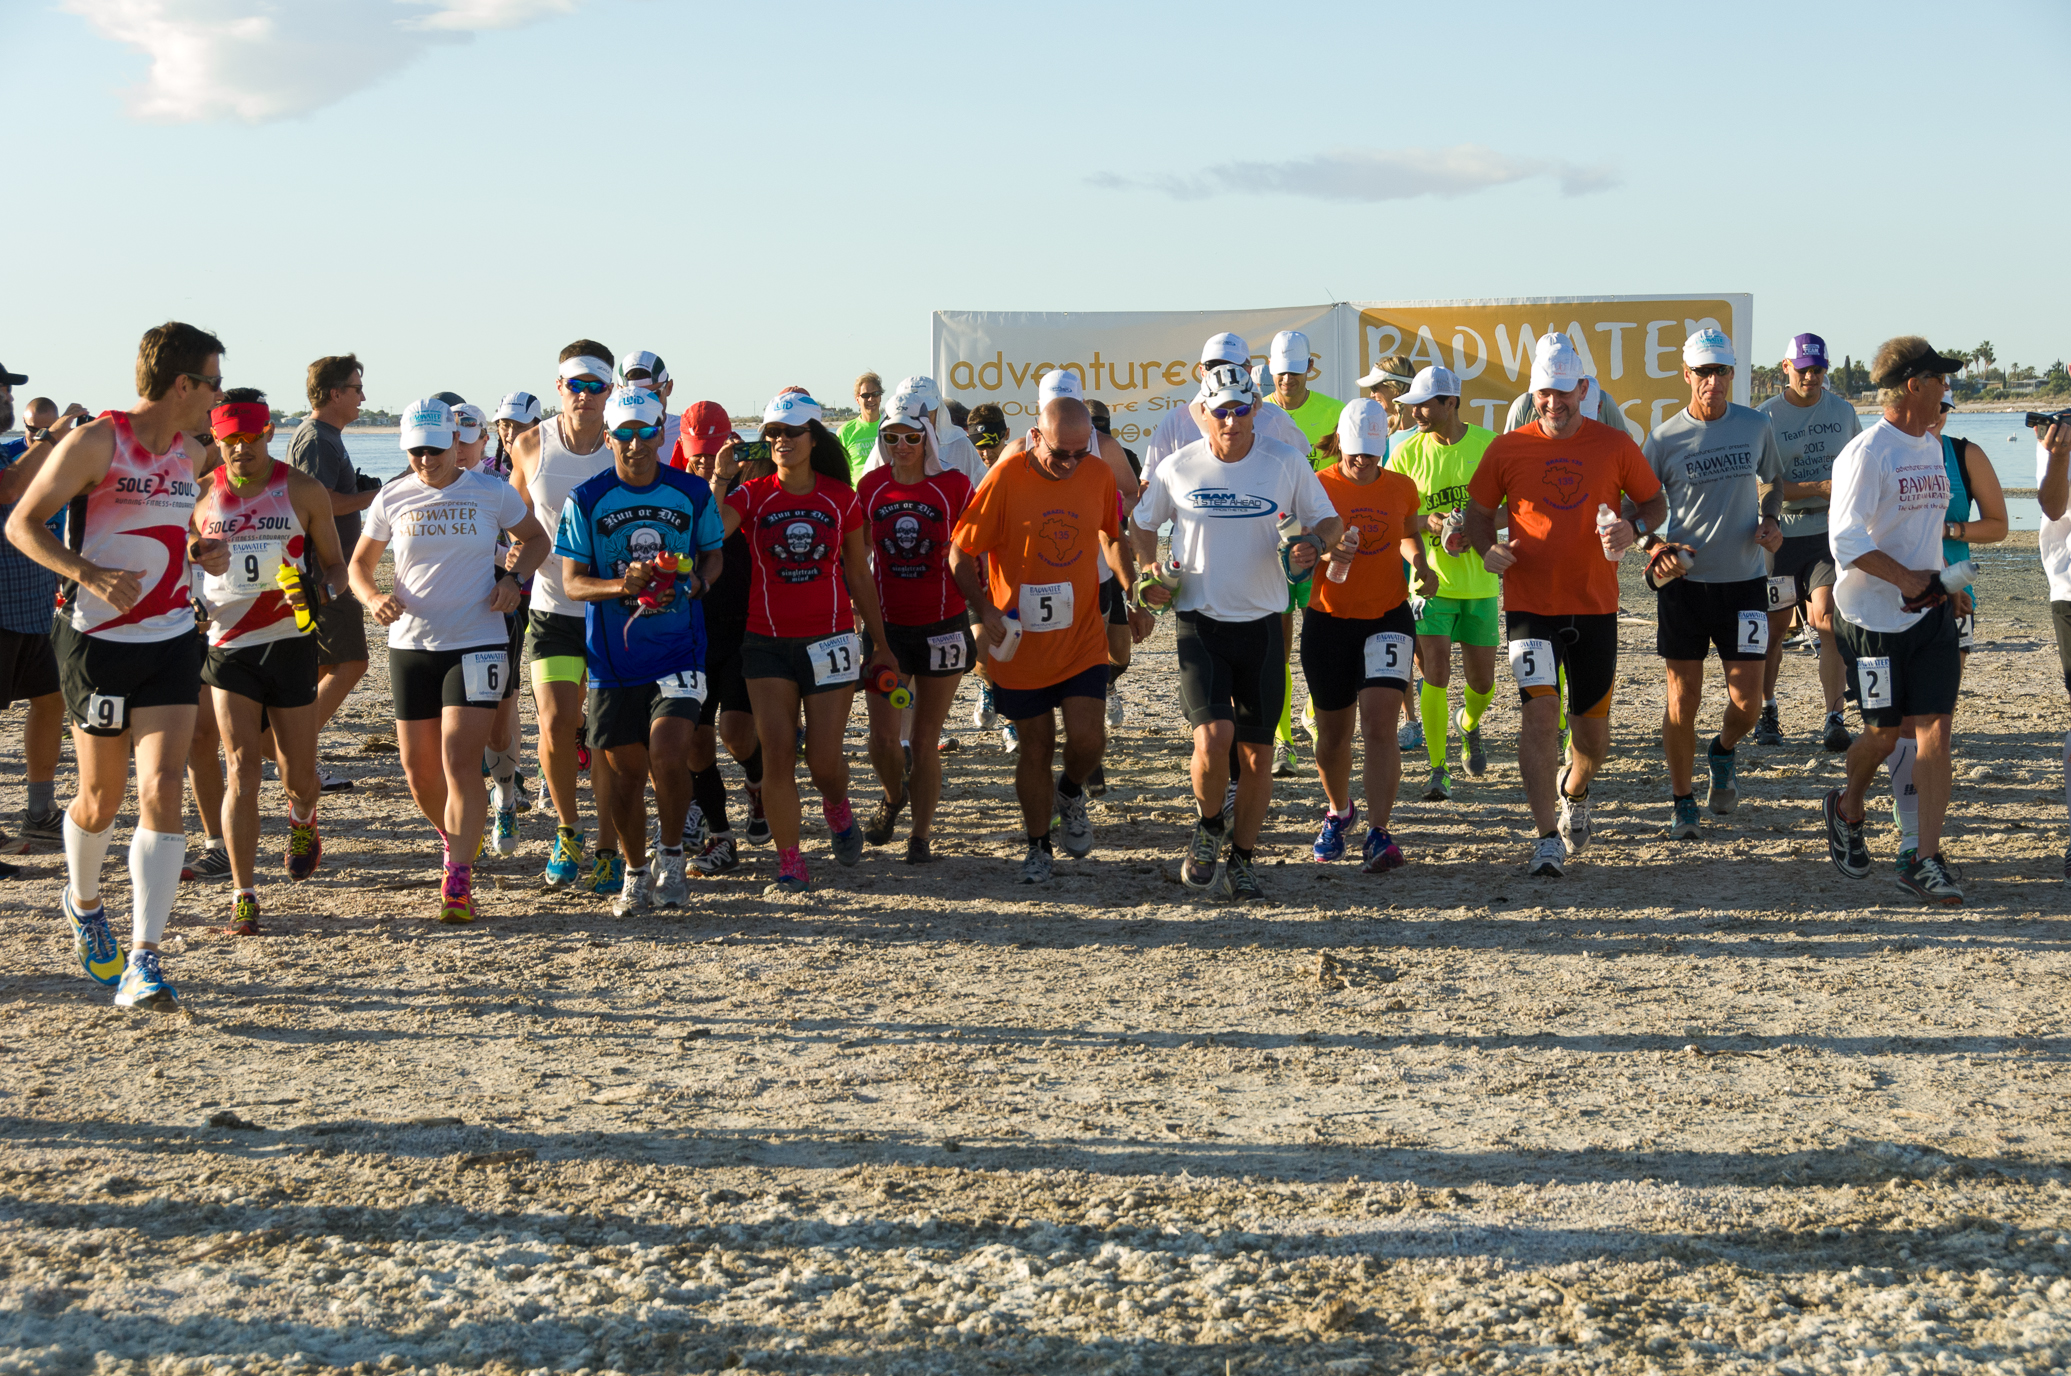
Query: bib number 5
pixel 837 659
pixel 1531 663
pixel 1045 607
pixel 1387 656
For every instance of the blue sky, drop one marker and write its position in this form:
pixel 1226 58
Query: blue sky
pixel 781 193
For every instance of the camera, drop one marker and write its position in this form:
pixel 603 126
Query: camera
pixel 364 482
pixel 752 451
pixel 2037 420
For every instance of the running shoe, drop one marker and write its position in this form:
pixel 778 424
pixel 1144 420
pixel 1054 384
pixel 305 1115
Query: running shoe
pixel 696 831
pixel 1285 761
pixel 1929 880
pixel 1037 867
pixel 1097 785
pixel 1381 853
pixel 1411 737
pixel 671 887
pixel 787 886
pixel 507 830
pixel 1116 713
pixel 1836 738
pixel 331 781
pixel 214 864
pixel 305 849
pixel 847 844
pixel 1547 854
pixel 1076 834
pixel 917 851
pixel 520 792
pixel 47 829
pixel 1683 820
pixel 607 873
pixel 984 716
pixel 1575 823
pixel 1239 882
pixel 1201 866
pixel 10 872
pixel 884 819
pixel 1768 729
pixel 1330 839
pixel 1472 753
pixel 1724 793
pixel 143 986
pixel 719 855
pixel 564 863
pixel 1010 739
pixel 758 823
pixel 635 893
pixel 244 916
pixel 456 897
pixel 1440 787
pixel 100 954
pixel 1845 846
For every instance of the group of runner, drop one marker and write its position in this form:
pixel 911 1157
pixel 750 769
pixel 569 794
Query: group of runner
pixel 681 587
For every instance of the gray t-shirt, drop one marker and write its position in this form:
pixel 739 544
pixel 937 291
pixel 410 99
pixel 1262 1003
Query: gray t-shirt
pixel 319 450
pixel 1809 437
pixel 1711 471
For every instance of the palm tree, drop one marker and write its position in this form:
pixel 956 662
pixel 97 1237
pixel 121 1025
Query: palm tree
pixel 1983 355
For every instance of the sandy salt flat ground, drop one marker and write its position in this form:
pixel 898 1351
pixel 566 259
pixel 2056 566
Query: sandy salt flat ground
pixel 1702 1106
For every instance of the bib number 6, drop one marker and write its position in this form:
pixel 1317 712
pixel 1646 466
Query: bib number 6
pixel 482 675
pixel 1531 663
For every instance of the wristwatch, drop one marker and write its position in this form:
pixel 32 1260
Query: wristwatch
pixel 39 434
pixel 1953 530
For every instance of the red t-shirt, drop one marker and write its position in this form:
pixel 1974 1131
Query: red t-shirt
pixel 794 541
pixel 1554 488
pixel 910 525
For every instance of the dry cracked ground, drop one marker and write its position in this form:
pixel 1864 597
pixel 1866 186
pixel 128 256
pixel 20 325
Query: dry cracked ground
pixel 1698 1106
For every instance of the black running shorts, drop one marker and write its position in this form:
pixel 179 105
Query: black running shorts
pixel 341 630
pixel 725 689
pixel 1234 671
pixel 424 683
pixel 280 673
pixel 105 680
pixel 1898 674
pixel 1694 617
pixel 1808 560
pixel 620 717
pixel 1344 656
pixel 817 664
pixel 28 667
pixel 1026 704
pixel 1586 646
pixel 942 649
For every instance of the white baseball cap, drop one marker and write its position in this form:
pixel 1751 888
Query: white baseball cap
pixel 1226 348
pixel 427 424
pixel 1363 427
pixel 646 362
pixel 636 404
pixel 584 364
pixel 1225 383
pixel 1290 352
pixel 1434 381
pixel 791 408
pixel 1707 346
pixel 1555 364
pixel 1059 382
pixel 468 421
pixel 522 407
pixel 1592 398
pixel 1262 379
pixel 924 388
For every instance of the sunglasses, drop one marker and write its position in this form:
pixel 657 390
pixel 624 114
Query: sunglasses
pixel 584 388
pixel 1712 370
pixel 868 396
pixel 1071 454
pixel 915 438
pixel 789 432
pixel 214 384
pixel 425 451
pixel 239 438
pixel 1229 412
pixel 626 434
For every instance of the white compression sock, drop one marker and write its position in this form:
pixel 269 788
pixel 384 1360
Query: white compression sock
pixel 84 852
pixel 502 764
pixel 2067 773
pixel 1905 799
pixel 154 878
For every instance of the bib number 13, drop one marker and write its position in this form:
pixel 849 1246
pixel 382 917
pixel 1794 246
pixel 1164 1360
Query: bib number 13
pixel 837 659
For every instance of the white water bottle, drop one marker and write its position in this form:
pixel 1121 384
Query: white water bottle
pixel 1605 519
pixel 1341 568
pixel 1004 651
pixel 1957 577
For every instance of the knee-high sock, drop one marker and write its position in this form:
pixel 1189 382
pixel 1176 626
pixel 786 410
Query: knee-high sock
pixel 2067 773
pixel 1431 707
pixel 502 763
pixel 1477 704
pixel 1563 675
pixel 710 792
pixel 1905 799
pixel 1287 706
pixel 154 880
pixel 84 852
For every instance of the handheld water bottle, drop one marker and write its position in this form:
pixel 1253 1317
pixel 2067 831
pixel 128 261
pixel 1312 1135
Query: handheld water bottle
pixel 1605 520
pixel 1341 568
pixel 291 580
pixel 1004 651
pixel 885 681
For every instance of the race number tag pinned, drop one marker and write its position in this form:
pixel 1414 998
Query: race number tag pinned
pixel 482 675
pixel 1045 607
pixel 1531 663
pixel 946 653
pixel 1873 681
pixel 1754 631
pixel 1966 631
pixel 837 659
pixel 253 566
pixel 1387 655
pixel 105 713
pixel 1783 592
pixel 689 684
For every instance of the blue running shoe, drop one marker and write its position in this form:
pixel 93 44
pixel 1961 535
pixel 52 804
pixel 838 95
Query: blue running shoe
pixel 848 844
pixel 1382 854
pixel 1330 842
pixel 564 865
pixel 608 874
pixel 92 942
pixel 144 986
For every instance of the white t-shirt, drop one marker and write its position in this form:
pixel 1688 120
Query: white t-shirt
pixel 1178 430
pixel 2054 539
pixel 443 540
pixel 1224 517
pixel 1891 493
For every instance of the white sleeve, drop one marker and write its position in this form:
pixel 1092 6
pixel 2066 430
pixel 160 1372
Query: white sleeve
pixel 511 507
pixel 1154 508
pixel 376 526
pixel 962 455
pixel 1311 502
pixel 1280 426
pixel 1168 439
pixel 1855 499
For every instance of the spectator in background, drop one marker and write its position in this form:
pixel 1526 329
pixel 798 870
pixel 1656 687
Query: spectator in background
pixel 1390 378
pixel 859 436
pixel 1102 422
pixel 336 394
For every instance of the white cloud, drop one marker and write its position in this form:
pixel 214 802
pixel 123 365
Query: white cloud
pixel 261 60
pixel 1371 174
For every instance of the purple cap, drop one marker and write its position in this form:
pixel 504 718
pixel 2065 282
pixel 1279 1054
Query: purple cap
pixel 1808 351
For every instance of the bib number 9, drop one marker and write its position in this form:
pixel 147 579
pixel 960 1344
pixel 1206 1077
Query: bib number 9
pixel 1873 681
pixel 837 659
pixel 482 675
pixel 1754 631
pixel 1045 607
pixel 253 564
pixel 1387 656
pixel 1783 592
pixel 1531 664
pixel 105 713
pixel 946 653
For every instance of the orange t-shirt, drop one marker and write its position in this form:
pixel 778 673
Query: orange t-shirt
pixel 1041 539
pixel 1554 488
pixel 1383 510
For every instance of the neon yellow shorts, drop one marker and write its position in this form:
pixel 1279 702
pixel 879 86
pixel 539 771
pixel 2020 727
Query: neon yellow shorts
pixel 1469 620
pixel 557 649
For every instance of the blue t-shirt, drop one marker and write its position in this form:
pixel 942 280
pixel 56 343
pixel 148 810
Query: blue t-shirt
pixel 608 525
pixel 28 591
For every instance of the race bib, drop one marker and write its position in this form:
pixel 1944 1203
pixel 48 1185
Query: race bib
pixel 690 684
pixel 105 713
pixel 482 675
pixel 837 659
pixel 1045 607
pixel 1754 631
pixel 253 566
pixel 1531 664
pixel 1873 681
pixel 1387 655
pixel 1783 592
pixel 1966 631
pixel 946 653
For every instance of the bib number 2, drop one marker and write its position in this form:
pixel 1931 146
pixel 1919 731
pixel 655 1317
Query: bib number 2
pixel 1754 632
pixel 1045 607
pixel 482 675
pixel 837 659
pixel 1387 656
pixel 1531 664
pixel 1873 681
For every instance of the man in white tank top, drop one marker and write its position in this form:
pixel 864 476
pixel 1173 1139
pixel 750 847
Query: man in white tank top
pixel 547 463
pixel 129 660
pixel 262 659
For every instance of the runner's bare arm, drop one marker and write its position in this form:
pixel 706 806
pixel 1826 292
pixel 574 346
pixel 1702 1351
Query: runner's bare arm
pixel 711 564
pixel 1424 579
pixel 1496 556
pixel 729 519
pixel 78 464
pixel 855 567
pixel 1991 528
pixel 1125 479
pixel 386 607
pixel 14 480
pixel 578 584
pixel 309 498
pixel 212 554
pixel 530 544
pixel 969 572
pixel 524 454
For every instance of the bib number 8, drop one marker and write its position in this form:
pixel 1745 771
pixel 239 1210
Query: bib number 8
pixel 1783 592
pixel 1532 665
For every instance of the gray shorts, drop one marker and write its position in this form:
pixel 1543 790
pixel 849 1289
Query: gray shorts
pixel 341 631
